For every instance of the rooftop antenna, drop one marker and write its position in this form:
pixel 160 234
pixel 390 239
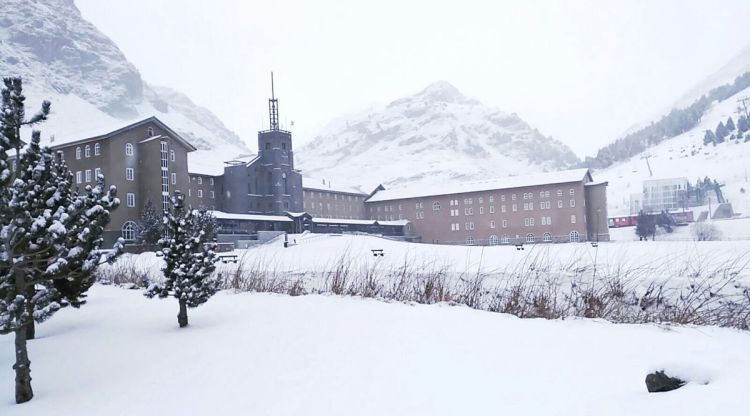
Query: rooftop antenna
pixel 273 109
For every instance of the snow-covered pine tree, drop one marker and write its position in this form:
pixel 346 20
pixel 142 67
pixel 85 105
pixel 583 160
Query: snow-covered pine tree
pixel 721 132
pixel 190 261
pixel 742 124
pixel 730 124
pixel 205 221
pixel 709 137
pixel 151 224
pixel 49 236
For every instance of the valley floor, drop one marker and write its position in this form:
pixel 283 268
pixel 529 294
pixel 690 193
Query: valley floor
pixel 262 354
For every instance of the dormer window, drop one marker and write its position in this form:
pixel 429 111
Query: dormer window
pixel 150 132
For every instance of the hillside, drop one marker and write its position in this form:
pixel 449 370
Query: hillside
pixel 435 135
pixel 91 84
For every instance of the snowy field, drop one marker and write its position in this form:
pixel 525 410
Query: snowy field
pixel 729 230
pixel 262 354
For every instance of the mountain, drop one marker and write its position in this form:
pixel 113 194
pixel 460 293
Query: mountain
pixel 92 86
pixel 435 135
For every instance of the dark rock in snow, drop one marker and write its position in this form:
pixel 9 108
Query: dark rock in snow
pixel 658 382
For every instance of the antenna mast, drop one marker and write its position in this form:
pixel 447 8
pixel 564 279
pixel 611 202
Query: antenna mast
pixel 273 109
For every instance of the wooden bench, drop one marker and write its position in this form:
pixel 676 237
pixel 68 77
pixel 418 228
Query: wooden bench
pixel 227 258
pixel 377 252
pixel 519 247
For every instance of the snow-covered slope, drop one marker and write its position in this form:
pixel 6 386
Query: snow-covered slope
pixel 725 75
pixel 263 354
pixel 435 135
pixel 686 156
pixel 92 86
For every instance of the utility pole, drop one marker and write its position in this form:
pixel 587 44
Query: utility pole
pixel 650 172
pixel 744 103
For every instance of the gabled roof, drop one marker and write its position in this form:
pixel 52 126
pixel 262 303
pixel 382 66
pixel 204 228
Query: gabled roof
pixel 510 182
pixel 108 134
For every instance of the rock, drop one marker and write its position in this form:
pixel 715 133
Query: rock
pixel 660 382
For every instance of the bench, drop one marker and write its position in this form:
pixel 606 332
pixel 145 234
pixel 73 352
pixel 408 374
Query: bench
pixel 377 252
pixel 226 258
pixel 519 247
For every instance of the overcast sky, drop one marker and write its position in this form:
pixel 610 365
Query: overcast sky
pixel 582 71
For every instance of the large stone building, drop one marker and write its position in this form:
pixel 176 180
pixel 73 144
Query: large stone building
pixel 547 207
pixel 264 193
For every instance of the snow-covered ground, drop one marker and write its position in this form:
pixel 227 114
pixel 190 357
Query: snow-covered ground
pixel 729 230
pixel 261 354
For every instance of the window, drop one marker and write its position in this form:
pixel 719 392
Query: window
pixel 547 237
pixel 481 210
pixel 88 175
pixel 468 211
pixel 492 199
pixel 559 192
pixel 572 219
pixel 530 238
pixel 97 174
pixel 541 194
pixel 212 194
pixel 515 207
pixel 200 193
pixel 87 151
pixel 128 149
pixel 174 179
pixel 572 203
pixel 150 132
pixel 572 191
pixel 129 174
pixel 505 223
pixel 171 155
pixel 200 180
pixel 502 198
pixel 420 215
pixel 454 213
pixel 131 199
pixel 492 209
pixel 481 200
pixel 128 231
pixel 531 222
pixel 492 223
pixel 526 222
pixel 559 204
pixel 97 149
pixel 469 240
pixel 436 206
pixel 456 227
pixel 78 152
pixel 211 181
pixel 502 208
pixel 493 240
pixel 163 155
pixel 575 236
pixel 504 239
pixel 79 177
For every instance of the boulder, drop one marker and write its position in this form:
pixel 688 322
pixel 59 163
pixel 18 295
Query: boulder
pixel 660 382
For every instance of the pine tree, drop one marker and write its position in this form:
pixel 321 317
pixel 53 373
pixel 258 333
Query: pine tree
pixel 730 124
pixel 205 221
pixel 721 132
pixel 742 124
pixel 709 137
pixel 190 260
pixel 151 224
pixel 49 236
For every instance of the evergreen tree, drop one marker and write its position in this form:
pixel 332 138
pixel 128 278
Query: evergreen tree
pixel 742 124
pixel 666 221
pixel 709 137
pixel 49 236
pixel 721 132
pixel 205 221
pixel 151 224
pixel 646 226
pixel 190 260
pixel 730 124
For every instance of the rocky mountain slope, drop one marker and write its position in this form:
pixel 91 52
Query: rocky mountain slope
pixel 91 84
pixel 435 135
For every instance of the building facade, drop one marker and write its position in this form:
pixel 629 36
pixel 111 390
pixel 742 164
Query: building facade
pixel 551 207
pixel 665 194
pixel 323 201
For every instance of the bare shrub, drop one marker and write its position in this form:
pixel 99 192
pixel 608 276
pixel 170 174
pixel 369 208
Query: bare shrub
pixel 705 231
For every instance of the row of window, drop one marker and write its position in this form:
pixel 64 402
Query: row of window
pixel 199 179
pixel 311 194
pixel 87 150
pixel 313 205
pixel 573 237
pixel 527 222
pixel 85 176
pixel 527 206
pixel 199 193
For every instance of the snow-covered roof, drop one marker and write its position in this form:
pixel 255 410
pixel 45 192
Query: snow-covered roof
pixel 343 221
pixel 202 163
pixel 417 191
pixel 326 185
pixel 248 217
pixel 596 183
pixel 395 222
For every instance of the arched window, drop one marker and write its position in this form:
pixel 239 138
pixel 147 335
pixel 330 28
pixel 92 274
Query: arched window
pixel 530 238
pixel 128 231
pixel 129 149
pixel 97 149
pixel 78 152
pixel 87 151
pixel 436 206
pixel 504 239
pixel 150 132
pixel 575 236
pixel 547 237
pixel 469 240
pixel 493 240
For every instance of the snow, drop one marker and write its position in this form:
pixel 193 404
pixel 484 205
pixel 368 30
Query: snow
pixel 327 185
pixel 249 217
pixel 510 182
pixel 266 354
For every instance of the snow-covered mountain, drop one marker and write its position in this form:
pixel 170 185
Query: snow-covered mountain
pixel 435 135
pixel 92 86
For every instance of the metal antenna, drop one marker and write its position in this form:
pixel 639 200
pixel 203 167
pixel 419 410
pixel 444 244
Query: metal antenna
pixel 273 109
